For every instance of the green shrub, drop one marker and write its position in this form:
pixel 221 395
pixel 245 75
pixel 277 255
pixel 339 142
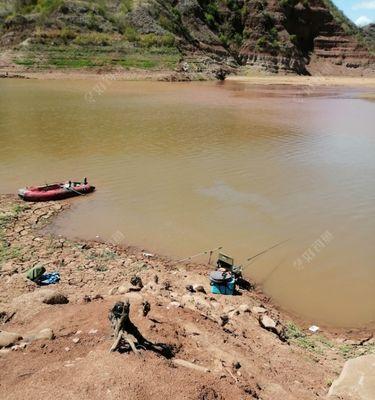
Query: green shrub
pixel 93 38
pixel 224 39
pixel 151 40
pixel 131 34
pixel 47 6
pixel 210 19
pixel 262 42
pixel 347 25
pixel 126 5
pixel 67 35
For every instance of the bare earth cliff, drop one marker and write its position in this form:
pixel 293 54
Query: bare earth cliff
pixel 193 37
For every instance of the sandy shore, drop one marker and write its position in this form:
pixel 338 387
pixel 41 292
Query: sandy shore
pixel 227 348
pixel 306 80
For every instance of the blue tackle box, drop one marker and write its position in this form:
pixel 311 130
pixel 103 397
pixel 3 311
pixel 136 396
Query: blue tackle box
pixel 222 283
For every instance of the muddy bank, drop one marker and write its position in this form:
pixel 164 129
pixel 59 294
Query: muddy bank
pixel 255 77
pixel 92 74
pixel 231 347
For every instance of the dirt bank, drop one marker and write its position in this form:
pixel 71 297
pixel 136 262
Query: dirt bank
pixel 10 70
pixel 92 74
pixel 229 353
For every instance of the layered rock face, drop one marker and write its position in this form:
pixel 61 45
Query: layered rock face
pixel 274 35
pixel 369 36
pixel 289 36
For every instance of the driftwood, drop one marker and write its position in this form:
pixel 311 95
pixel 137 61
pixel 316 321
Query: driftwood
pixel 128 337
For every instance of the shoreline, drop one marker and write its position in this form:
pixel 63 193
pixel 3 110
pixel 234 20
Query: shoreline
pixel 257 78
pixel 142 254
pixel 350 332
pixel 224 341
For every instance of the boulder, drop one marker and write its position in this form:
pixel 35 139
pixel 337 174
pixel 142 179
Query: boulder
pixel 127 288
pixel 44 334
pixel 224 319
pixel 244 308
pixel 199 288
pixel 268 323
pixel 258 310
pixel 8 338
pixel 275 327
pixel 53 298
pixel 356 381
pixel 20 346
pixel 136 281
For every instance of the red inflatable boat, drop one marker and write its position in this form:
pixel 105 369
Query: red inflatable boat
pixel 56 191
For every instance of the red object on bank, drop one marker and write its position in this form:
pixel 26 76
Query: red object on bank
pixel 57 191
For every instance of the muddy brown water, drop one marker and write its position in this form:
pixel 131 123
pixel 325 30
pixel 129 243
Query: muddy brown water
pixel 181 168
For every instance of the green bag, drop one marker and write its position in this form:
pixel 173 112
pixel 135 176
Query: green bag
pixel 36 272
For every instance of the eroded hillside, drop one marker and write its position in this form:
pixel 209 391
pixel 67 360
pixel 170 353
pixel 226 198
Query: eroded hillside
pixel 189 35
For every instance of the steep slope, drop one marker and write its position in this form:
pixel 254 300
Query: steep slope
pixel 192 35
pixel 369 35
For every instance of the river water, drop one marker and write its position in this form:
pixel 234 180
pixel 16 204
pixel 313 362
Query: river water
pixel 185 167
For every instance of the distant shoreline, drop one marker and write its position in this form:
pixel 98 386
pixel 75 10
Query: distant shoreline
pixel 257 78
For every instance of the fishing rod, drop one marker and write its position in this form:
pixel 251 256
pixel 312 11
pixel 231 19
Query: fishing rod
pixel 266 250
pixel 200 254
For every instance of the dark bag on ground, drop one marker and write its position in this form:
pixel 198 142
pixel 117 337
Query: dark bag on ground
pixel 35 273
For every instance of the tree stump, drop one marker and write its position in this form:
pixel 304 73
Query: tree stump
pixel 127 336
pixel 122 326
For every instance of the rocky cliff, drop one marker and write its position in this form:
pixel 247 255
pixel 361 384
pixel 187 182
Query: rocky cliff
pixel 308 36
pixel 369 36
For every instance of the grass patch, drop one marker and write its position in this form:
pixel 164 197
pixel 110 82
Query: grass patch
pixel 351 351
pixel 107 255
pixel 296 336
pixel 347 351
pixel 26 62
pixel 318 343
pixel 72 63
pixel 18 208
pixel 138 63
pixel 8 252
pixel 315 344
pixel 123 54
